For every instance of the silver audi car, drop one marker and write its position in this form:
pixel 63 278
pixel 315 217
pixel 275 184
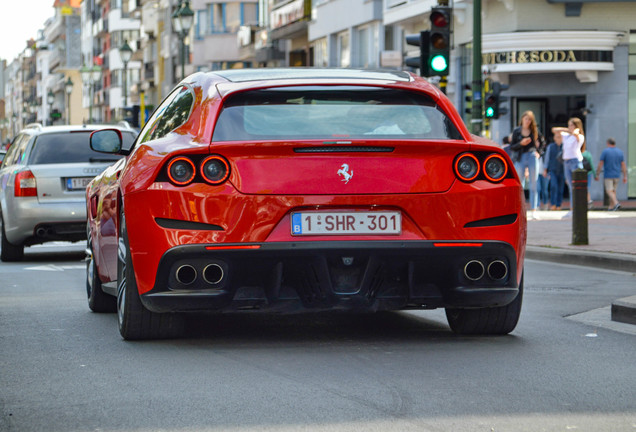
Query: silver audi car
pixel 43 178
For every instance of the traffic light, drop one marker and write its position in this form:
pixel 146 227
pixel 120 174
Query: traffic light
pixel 438 61
pixel 420 40
pixel 468 99
pixel 493 99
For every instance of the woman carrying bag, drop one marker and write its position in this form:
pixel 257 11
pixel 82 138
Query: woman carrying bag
pixel 528 141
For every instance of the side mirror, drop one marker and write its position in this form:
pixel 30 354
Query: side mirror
pixel 106 141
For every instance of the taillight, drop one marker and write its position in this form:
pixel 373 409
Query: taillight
pixel 181 171
pixel 492 167
pixel 215 170
pixel 25 185
pixel 467 167
pixel 495 167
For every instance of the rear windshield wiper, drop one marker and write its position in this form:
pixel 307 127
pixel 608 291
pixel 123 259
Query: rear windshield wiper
pixel 95 159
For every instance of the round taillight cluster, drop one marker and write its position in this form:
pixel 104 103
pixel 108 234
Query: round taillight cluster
pixel 213 169
pixel 493 167
pixel 181 171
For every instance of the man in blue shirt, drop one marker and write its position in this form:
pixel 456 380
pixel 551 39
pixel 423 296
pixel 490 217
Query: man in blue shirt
pixel 612 164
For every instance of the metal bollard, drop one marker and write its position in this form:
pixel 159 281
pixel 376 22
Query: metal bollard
pixel 579 207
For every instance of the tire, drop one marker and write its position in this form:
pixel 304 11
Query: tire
pixel 135 321
pixel 10 252
pixel 486 321
pixel 98 300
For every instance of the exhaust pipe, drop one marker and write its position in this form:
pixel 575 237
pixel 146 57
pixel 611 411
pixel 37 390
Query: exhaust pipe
pixel 497 270
pixel 186 274
pixel 474 270
pixel 41 232
pixel 213 274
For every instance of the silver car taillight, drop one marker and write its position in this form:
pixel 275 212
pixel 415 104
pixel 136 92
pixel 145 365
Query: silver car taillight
pixel 25 184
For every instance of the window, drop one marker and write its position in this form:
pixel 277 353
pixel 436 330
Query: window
pixel 321 56
pixel 216 12
pixel 328 113
pixel 344 51
pixel 368 44
pixel 172 113
pixel 249 14
pixel 200 26
pixel 69 147
pixel 15 152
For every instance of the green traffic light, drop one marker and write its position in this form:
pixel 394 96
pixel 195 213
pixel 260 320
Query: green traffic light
pixel 439 63
pixel 490 112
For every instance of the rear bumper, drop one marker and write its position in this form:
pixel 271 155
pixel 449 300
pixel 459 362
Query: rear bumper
pixel 330 275
pixel 29 222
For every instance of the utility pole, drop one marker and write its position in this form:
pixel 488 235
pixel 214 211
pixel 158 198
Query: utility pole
pixel 476 120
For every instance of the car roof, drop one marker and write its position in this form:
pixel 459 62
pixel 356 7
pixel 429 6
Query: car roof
pixel 38 129
pixel 266 74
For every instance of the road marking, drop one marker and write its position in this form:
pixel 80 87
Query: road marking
pixel 53 267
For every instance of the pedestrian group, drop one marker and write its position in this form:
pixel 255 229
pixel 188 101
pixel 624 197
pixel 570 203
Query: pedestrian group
pixel 547 168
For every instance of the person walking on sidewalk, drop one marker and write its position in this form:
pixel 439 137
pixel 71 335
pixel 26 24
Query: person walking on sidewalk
pixel 573 139
pixel 554 172
pixel 588 165
pixel 612 163
pixel 528 141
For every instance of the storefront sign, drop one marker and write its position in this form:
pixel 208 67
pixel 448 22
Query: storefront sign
pixel 546 56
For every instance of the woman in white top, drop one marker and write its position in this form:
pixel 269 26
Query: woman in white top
pixel 573 139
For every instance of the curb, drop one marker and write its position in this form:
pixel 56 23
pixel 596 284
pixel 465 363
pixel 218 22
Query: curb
pixel 606 260
pixel 624 310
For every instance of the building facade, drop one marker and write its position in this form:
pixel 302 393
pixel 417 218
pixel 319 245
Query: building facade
pixel 560 59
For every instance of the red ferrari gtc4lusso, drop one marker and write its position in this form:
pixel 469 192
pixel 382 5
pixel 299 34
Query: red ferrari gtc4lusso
pixel 287 190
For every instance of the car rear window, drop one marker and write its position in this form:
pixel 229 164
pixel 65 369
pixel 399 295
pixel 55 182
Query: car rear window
pixel 327 112
pixel 70 147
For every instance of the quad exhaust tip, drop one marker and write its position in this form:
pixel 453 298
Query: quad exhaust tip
pixel 213 274
pixel 186 274
pixel 474 270
pixel 497 270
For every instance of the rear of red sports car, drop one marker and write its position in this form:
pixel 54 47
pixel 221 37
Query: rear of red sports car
pixel 306 190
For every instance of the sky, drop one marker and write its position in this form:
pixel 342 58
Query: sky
pixel 20 21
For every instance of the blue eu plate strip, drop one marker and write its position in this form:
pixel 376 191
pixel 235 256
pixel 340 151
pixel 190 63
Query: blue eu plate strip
pixel 297 225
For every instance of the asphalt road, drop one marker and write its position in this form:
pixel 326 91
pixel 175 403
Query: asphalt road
pixel 64 368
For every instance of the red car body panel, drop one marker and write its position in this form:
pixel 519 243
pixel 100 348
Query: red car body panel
pixel 417 179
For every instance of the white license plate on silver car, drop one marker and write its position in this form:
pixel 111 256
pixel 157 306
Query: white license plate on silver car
pixel 346 223
pixel 75 183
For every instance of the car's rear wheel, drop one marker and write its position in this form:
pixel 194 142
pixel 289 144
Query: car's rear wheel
pixel 10 252
pixel 98 300
pixel 135 321
pixel 487 321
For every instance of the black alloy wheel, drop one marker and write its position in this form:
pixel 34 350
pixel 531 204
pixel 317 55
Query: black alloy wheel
pixel 487 321
pixel 98 300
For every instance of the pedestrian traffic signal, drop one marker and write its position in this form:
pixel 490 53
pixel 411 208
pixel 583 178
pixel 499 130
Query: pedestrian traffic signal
pixel 493 99
pixel 420 40
pixel 438 63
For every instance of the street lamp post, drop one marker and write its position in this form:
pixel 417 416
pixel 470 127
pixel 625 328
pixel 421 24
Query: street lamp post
pixel 50 98
pixel 182 20
pixel 125 52
pixel 68 87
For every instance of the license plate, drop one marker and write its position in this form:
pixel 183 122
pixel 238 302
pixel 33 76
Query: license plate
pixel 349 223
pixel 75 183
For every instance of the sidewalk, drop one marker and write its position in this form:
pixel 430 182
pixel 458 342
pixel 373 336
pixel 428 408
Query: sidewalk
pixel 610 234
pixel 612 245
